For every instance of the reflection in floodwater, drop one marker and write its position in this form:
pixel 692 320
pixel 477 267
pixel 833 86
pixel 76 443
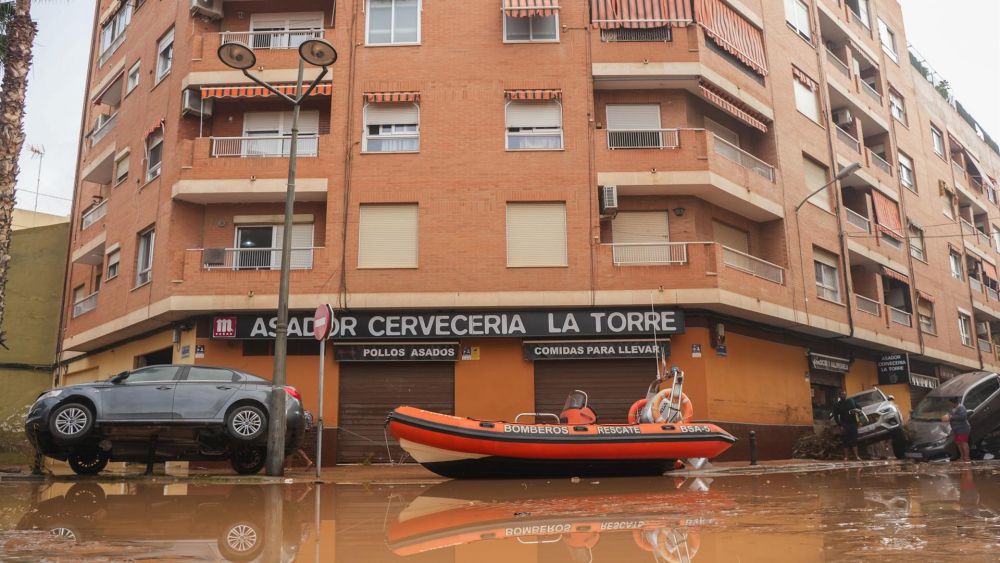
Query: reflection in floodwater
pixel 897 513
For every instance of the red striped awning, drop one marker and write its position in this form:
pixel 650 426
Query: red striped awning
pixel 718 98
pixel 925 296
pixel 157 125
pixel 733 33
pixel 890 273
pixel 530 8
pixel 887 215
pixel 260 92
pixel 533 94
pixel 991 270
pixel 390 97
pixel 640 14
pixel 804 79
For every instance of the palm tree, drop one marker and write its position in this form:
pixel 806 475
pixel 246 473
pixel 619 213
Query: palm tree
pixel 17 34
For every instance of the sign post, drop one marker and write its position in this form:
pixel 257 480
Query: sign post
pixel 322 320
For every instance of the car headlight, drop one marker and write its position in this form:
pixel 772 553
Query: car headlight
pixel 51 394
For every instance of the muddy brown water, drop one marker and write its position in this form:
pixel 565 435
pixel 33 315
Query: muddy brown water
pixel 901 513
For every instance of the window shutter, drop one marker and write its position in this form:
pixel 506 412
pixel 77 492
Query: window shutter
pixel 732 237
pixel 302 21
pixel 308 123
pixel 816 176
pixel 388 236
pixel 925 308
pixel 534 114
pixel 639 227
pixel 268 22
pixel 536 235
pixel 261 122
pixel 826 257
pixel 633 117
pixel 392 114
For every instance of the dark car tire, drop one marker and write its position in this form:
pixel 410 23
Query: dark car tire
pixel 246 423
pixel 71 422
pixel 242 540
pixel 899 444
pixel 86 498
pixel 248 461
pixel 88 462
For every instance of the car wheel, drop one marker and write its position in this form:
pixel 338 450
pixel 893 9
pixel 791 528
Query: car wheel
pixel 66 533
pixel 246 423
pixel 71 422
pixel 248 461
pixel 88 462
pixel 899 444
pixel 241 541
pixel 85 498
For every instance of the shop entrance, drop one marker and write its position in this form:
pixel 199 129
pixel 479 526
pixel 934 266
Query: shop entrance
pixel 824 386
pixel 612 385
pixel 368 391
pixel 155 358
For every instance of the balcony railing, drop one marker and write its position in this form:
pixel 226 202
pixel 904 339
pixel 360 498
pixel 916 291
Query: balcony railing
pixel 753 265
pixel 649 254
pixel 959 171
pixel 977 183
pixel 731 152
pixel 838 64
pixel 848 140
pixel 866 305
pixel 985 345
pixel 992 293
pixel 271 39
pixel 872 93
pixel 858 220
pixel 263 147
pixel 967 227
pixel 977 286
pixel 85 305
pixel 879 162
pixel 643 139
pixel 93 215
pixel 254 258
pixel 105 123
pixel 899 317
pixel 651 35
pixel 112 48
pixel 984 239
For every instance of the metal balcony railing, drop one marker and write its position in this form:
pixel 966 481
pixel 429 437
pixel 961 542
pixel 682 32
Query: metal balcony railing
pixel 643 138
pixel 93 215
pixel 837 63
pixel 977 286
pixel 263 146
pixel 879 162
pixel 848 140
pixel 899 317
pixel 105 123
pixel 649 254
pixel 85 305
pixel 254 258
pixel 872 92
pixel 271 39
pixel 106 54
pixel 967 227
pixel 731 152
pixel 866 305
pixel 985 345
pixel 858 220
pixel 753 265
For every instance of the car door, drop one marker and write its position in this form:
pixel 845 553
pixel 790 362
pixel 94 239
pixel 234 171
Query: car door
pixel 981 401
pixel 147 394
pixel 202 393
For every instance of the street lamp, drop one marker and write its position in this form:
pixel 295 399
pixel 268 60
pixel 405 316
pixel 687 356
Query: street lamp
pixel 316 52
pixel 844 172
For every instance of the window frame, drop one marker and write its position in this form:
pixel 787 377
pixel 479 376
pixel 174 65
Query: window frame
pixel 921 249
pixel 798 87
pixel 798 9
pixel 931 324
pixel 912 185
pixel 937 135
pixel 392 26
pixel 892 96
pixel 144 256
pixel 508 132
pixel 112 261
pixel 965 329
pixel 117 178
pixel 365 135
pixel 890 48
pixel 365 262
pixel 116 39
pixel 821 270
pixel 133 70
pixel 531 28
pixel 515 264
pixel 153 172
pixel 955 259
pixel 165 44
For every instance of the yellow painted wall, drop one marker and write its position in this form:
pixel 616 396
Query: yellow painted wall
pixel 864 375
pixel 105 364
pixel 695 379
pixel 499 385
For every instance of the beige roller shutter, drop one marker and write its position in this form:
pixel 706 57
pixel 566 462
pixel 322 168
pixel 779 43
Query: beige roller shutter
pixel 534 114
pixel 388 236
pixel 262 122
pixel 302 243
pixel 826 257
pixel 816 176
pixel 536 235
pixel 731 236
pixel 392 114
pixel 633 117
pixel 640 226
pixel 722 131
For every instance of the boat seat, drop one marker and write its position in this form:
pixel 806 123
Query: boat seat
pixel 586 415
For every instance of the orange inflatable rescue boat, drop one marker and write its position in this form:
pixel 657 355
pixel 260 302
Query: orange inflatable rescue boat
pixel 660 432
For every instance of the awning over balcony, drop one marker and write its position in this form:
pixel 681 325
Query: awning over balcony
pixel 717 97
pixel 114 88
pixel 890 273
pixel 391 97
pixel 990 270
pixel 325 89
pixel 640 14
pixel 733 33
pixel 887 215
pixel 533 94
pixel 158 124
pixel 925 296
pixel 530 8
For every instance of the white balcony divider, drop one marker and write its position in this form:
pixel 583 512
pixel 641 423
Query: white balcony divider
pixel 254 258
pixel 858 220
pixel 837 63
pixel 900 317
pixel 959 171
pixel 623 35
pixel 867 88
pixel 271 39
pixel 93 215
pixel 643 138
pixel 985 345
pixel 263 147
pixel 105 123
pixel 879 162
pixel 85 305
pixel 753 265
pixel 977 285
pixel 967 227
pixel 866 305
pixel 984 239
pixel 731 152
pixel 649 254
pixel 848 140
pixel 992 293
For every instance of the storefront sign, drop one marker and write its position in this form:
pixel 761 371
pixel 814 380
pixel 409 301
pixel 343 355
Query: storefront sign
pixel 829 363
pixel 402 352
pixel 369 325
pixel 594 349
pixel 893 369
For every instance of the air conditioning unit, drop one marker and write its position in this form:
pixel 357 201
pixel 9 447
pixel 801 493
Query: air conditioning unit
pixel 843 117
pixel 609 200
pixel 193 104
pixel 211 9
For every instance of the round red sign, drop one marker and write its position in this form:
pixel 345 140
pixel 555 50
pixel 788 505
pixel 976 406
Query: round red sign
pixel 322 320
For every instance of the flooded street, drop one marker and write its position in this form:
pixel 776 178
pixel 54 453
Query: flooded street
pixel 924 512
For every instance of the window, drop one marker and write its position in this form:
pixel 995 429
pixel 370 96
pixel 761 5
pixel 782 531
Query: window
pixel 284 31
pixel 917 243
pixel 925 315
pixel 635 126
pixel 112 270
pixel 152 374
pixel 258 247
pixel 196 373
pixel 859 8
pixel 269 134
pixel 534 125
pixel 121 169
pixel 536 235
pixel 154 154
pixel 948 204
pixel 133 78
pixel 79 293
pixel 165 55
pixel 888 39
pixel 906 172
pixel 827 280
pixel 393 22
pixel 518 26
pixel 980 393
pixel 113 32
pixel 896 106
pixel 937 140
pixel 391 127
pixel 797 16
pixel 955 260
pixel 144 257
pixel 388 236
pixel 806 95
pixel 731 237
pixel 996 237
pixel 965 329
pixel 815 177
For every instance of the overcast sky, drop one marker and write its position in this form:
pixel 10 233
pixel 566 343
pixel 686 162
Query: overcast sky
pixel 961 42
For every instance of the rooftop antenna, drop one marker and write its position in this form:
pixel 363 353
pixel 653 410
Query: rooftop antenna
pixel 37 151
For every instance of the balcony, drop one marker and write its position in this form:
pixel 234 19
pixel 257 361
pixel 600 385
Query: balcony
pixel 111 50
pixel 735 154
pixel 867 305
pixel 277 54
pixel 985 345
pixel 263 146
pixel 267 40
pixel 976 285
pixel 753 265
pixel 878 162
pixel 838 64
pixel 858 220
pixel 93 215
pixel 649 254
pixel 85 305
pixel 643 138
pixel 959 171
pixel 871 92
pixel 899 316
pixel 848 140
pixel 105 123
pixel 254 258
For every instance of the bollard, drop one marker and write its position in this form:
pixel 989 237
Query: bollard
pixel 753 448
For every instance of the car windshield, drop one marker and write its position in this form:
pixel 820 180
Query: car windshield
pixel 933 408
pixel 870 398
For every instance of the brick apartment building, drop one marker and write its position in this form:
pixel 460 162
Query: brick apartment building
pixel 508 187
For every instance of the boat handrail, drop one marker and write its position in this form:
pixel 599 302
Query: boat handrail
pixel 536 415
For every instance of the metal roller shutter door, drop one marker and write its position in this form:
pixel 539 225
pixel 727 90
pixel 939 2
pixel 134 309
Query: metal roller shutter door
pixel 369 391
pixel 612 385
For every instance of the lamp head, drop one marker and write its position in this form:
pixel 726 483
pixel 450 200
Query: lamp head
pixel 847 170
pixel 237 55
pixel 318 52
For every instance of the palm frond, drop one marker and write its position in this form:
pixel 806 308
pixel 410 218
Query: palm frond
pixel 6 14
